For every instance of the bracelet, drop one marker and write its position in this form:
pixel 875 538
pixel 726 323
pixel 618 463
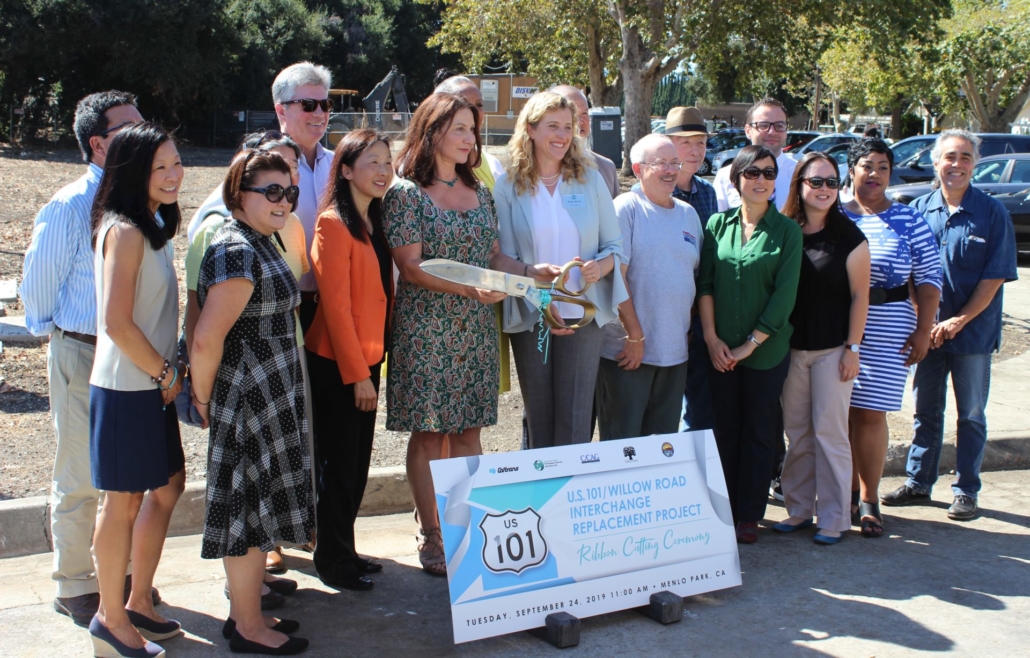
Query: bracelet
pixel 201 404
pixel 175 375
pixel 525 269
pixel 638 340
pixel 164 373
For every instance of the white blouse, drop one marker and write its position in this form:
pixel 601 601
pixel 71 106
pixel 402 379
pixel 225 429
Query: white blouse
pixel 556 240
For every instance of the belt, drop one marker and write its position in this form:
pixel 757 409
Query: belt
pixel 309 296
pixel 89 339
pixel 878 296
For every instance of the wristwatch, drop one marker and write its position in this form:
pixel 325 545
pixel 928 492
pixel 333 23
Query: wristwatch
pixel 751 339
pixel 853 348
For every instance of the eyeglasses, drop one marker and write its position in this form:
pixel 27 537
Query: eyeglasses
pixel 764 126
pixel 816 183
pixel 114 129
pixel 276 192
pixel 752 173
pixel 662 165
pixel 309 104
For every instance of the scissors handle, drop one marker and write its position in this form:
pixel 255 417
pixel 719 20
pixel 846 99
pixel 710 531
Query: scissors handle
pixel 559 283
pixel 588 312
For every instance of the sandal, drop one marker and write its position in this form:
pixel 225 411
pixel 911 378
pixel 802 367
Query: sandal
pixel 431 553
pixel 856 518
pixel 871 528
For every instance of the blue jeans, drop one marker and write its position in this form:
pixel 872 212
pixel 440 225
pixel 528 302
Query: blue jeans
pixel 971 378
pixel 697 396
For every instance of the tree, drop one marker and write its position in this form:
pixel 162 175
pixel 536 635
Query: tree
pixel 987 53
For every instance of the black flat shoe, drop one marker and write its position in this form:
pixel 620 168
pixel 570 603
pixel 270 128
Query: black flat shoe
pixel 283 586
pixel 371 565
pixel 285 626
pixel 292 646
pixel 354 582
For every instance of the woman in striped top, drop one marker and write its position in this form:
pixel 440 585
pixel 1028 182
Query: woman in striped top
pixel 897 333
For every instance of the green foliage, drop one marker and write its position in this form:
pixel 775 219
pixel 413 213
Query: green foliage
pixel 675 90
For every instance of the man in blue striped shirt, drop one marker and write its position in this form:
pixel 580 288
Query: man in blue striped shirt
pixel 59 294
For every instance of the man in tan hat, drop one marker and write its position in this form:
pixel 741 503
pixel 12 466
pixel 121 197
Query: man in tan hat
pixel 604 166
pixel 685 126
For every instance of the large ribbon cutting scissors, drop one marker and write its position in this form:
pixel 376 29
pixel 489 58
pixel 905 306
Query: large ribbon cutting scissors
pixel 538 294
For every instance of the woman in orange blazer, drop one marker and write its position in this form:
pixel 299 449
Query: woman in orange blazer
pixel 346 345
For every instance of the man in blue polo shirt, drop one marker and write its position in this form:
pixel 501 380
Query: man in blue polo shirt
pixel 978 255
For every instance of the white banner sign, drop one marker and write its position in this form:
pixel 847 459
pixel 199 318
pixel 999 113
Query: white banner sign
pixel 585 529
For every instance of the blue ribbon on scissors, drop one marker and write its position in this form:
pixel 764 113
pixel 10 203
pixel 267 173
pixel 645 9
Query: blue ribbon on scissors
pixel 543 338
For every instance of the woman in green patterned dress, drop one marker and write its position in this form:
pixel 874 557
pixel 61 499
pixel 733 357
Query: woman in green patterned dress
pixel 442 379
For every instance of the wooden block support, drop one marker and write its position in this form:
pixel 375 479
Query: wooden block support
pixel 561 630
pixel 665 607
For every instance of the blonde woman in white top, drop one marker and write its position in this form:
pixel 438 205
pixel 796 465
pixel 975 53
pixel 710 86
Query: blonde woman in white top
pixel 135 446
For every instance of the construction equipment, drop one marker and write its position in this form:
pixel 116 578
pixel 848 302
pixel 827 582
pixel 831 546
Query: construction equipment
pixel 373 108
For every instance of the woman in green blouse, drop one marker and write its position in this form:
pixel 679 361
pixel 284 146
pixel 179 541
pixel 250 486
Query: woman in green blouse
pixel 750 265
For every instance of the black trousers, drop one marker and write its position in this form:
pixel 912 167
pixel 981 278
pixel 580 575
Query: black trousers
pixel 343 450
pixel 747 403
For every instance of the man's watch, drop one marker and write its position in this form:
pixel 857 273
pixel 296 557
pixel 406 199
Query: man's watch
pixel 852 348
pixel 751 339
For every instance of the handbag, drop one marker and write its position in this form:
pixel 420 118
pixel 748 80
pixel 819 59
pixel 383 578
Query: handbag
pixel 184 407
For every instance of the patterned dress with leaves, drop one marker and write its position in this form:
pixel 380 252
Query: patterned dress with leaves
pixel 443 370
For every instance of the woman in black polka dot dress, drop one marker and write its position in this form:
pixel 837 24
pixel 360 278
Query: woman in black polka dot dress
pixel 247 384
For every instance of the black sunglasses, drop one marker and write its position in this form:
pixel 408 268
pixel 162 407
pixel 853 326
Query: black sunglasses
pixel 309 104
pixel 276 192
pixel 114 129
pixel 816 183
pixel 752 173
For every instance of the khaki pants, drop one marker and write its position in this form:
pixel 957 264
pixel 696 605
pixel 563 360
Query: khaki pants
pixel 73 499
pixel 815 418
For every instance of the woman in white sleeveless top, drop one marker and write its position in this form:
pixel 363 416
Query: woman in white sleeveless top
pixel 134 432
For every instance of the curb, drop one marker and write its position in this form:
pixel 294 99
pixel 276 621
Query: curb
pixel 25 525
pixel 25 528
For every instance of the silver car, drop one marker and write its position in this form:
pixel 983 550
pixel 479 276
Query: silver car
pixel 995 174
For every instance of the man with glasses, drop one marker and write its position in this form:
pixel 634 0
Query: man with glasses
pixel 301 96
pixel 978 256
pixel 59 294
pixel 644 357
pixel 765 125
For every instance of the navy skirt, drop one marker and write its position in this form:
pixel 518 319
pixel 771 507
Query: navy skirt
pixel 134 445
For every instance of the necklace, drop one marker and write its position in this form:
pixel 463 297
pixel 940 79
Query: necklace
pixel 550 180
pixel 448 183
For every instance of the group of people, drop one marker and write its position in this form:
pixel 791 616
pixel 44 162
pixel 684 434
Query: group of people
pixel 765 301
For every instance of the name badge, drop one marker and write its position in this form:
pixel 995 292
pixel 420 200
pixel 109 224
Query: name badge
pixel 574 200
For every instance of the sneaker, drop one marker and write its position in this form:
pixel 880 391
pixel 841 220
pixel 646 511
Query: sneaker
pixel 963 509
pixel 775 490
pixel 904 495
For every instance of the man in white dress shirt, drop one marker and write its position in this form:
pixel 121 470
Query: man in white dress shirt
pixel 765 125
pixel 59 294
pixel 301 96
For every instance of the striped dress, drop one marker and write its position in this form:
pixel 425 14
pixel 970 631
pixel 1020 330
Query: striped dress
pixel 902 247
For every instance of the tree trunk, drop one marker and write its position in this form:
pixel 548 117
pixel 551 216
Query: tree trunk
pixel 836 112
pixel 896 110
pixel 638 98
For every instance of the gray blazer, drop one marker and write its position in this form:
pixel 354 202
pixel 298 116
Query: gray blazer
pixel 599 236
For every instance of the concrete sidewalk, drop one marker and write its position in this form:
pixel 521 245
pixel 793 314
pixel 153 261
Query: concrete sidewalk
pixel 929 585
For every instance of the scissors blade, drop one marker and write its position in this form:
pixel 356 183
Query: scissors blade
pixel 478 277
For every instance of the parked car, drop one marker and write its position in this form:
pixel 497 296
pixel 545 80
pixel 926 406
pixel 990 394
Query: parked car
pixel 995 174
pixel 919 167
pixel 723 147
pixel 908 147
pixel 823 143
pixel 1018 205
pixel 658 126
pixel 798 138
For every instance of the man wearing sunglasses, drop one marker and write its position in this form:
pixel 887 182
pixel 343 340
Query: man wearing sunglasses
pixel 301 96
pixel 765 125
pixel 59 294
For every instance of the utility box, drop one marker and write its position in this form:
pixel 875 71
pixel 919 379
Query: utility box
pixel 606 133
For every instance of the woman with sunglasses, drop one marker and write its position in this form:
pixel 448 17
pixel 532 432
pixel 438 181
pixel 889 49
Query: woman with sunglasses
pixel 828 319
pixel 750 263
pixel 135 448
pixel 247 384
pixel 897 334
pixel 292 245
pixel 346 346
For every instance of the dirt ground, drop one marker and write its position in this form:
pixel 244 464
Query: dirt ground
pixel 28 178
